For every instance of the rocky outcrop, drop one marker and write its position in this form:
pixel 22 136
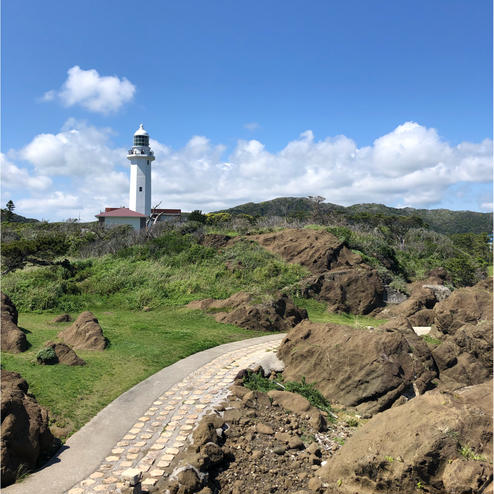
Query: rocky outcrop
pixel 26 438
pixel 465 306
pixel 85 333
pixel 318 251
pixel 365 369
pixel 356 291
pixel 64 354
pixel 465 358
pixel 438 442
pixel 13 340
pixel 280 314
pixel 463 323
pixel 420 299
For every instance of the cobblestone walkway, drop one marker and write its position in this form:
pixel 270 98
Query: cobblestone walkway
pixel 154 440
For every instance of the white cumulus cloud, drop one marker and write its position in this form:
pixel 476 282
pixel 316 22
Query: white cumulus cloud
pixel 15 178
pixel 410 166
pixel 78 150
pixel 96 93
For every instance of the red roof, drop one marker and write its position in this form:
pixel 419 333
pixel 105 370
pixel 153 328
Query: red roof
pixel 166 211
pixel 122 212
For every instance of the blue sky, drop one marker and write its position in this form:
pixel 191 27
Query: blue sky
pixel 357 101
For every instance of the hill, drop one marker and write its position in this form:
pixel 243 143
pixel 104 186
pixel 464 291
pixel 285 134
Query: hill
pixel 16 218
pixel 440 220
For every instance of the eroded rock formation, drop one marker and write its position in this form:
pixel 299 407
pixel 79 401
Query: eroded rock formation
pixel 26 438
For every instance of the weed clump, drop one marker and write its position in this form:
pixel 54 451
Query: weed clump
pixel 256 382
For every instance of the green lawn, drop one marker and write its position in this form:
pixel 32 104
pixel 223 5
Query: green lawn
pixel 141 343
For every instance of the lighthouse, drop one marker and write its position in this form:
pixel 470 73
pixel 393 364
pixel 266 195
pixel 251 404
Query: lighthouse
pixel 140 157
pixel 139 214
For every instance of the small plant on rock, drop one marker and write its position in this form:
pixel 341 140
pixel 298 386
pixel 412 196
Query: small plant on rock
pixel 47 356
pixel 469 454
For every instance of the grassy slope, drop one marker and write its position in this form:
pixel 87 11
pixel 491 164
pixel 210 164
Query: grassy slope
pixel 141 344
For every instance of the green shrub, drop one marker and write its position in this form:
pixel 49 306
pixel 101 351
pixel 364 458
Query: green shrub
pixel 47 356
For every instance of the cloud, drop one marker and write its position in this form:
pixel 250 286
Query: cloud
pixel 78 150
pixel 16 178
pixel 100 94
pixel 410 166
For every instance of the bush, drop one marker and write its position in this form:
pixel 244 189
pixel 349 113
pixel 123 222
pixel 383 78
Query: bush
pixel 197 215
pixel 47 356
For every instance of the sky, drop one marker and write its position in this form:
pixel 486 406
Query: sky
pixel 357 101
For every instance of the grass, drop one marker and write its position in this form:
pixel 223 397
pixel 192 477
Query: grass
pixel 255 381
pixel 469 454
pixel 489 270
pixel 317 312
pixel 431 340
pixel 141 343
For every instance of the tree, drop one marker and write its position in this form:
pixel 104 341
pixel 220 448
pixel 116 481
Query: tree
pixel 316 208
pixel 197 215
pixel 10 206
pixel 41 251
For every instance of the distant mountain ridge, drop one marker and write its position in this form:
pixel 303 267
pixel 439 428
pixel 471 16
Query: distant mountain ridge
pixel 440 220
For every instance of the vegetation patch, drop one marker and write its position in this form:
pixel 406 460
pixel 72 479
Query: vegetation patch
pixel 255 381
pixel 469 454
pixel 431 340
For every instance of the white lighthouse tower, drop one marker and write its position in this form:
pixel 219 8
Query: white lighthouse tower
pixel 140 157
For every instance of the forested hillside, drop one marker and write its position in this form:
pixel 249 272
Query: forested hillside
pixel 439 220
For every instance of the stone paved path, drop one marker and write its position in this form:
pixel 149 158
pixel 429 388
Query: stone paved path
pixel 159 434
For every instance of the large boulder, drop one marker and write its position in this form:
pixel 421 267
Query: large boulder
pixel 365 369
pixel 13 340
pixel 280 314
pixel 358 290
pixel 318 251
pixel 465 358
pixel 85 333
pixel 64 354
pixel 422 297
pixel 26 438
pixel 437 443
pixel 465 306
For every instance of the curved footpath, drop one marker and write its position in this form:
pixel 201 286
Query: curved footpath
pixel 145 427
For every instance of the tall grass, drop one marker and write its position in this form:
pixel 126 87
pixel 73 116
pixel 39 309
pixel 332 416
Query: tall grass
pixel 169 270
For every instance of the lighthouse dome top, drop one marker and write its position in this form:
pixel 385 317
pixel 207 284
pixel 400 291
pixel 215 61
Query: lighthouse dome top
pixel 141 137
pixel 140 131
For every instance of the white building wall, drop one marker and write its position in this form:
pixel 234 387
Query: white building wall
pixel 118 220
pixel 140 186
